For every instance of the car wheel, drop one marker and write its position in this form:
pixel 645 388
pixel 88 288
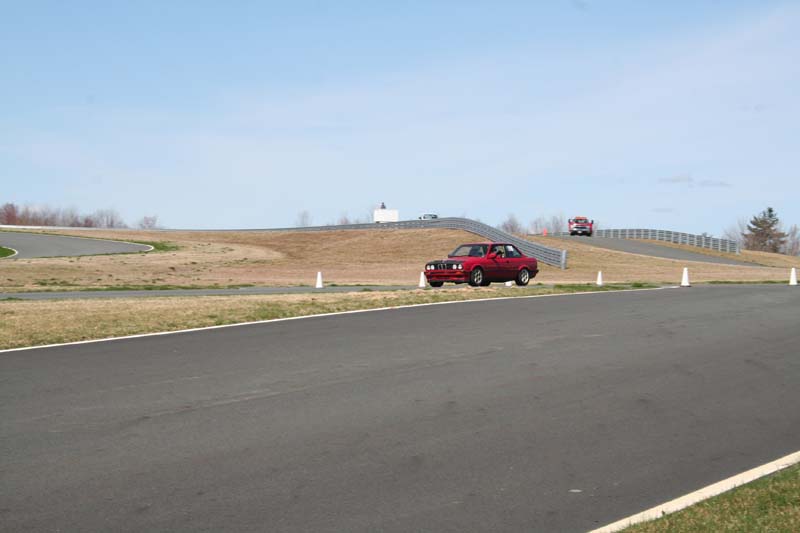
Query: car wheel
pixel 523 277
pixel 476 277
pixel 572 233
pixel 436 283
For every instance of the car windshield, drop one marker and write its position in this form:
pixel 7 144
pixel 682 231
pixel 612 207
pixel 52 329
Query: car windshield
pixel 469 250
pixel 581 220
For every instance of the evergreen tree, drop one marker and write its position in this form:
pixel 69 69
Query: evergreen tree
pixel 764 233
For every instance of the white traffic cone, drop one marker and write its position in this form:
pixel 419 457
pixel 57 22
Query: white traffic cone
pixel 319 281
pixel 422 283
pixel 599 278
pixel 685 278
pixel 793 277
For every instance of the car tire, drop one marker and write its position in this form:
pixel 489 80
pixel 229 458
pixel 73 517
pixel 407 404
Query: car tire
pixel 476 277
pixel 572 234
pixel 436 283
pixel 523 277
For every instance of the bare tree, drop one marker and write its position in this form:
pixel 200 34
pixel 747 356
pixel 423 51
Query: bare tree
pixel 558 223
pixel 148 222
pixel 9 214
pixel 303 219
pixel 70 217
pixel 735 232
pixel 343 220
pixel 792 244
pixel 511 224
pixel 108 218
pixel 553 224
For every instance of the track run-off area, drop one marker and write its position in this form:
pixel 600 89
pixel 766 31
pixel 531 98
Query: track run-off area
pixel 559 413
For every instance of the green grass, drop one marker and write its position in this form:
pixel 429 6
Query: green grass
pixel 762 282
pixel 577 287
pixel 768 504
pixel 6 252
pixel 158 246
pixel 165 287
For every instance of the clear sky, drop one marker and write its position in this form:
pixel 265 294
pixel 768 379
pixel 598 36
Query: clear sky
pixel 675 115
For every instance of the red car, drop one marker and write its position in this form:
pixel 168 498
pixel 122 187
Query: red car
pixel 481 263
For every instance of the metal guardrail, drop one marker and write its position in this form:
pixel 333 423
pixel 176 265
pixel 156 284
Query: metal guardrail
pixel 700 241
pixel 545 254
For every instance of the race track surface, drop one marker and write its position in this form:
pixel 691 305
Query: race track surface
pixel 545 414
pixel 655 250
pixel 32 245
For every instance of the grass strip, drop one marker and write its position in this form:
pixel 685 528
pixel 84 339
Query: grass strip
pixel 6 252
pixel 758 282
pixel 158 246
pixel 771 503
pixel 35 323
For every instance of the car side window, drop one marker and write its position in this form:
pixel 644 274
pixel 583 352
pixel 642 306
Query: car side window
pixel 512 252
pixel 477 251
pixel 499 250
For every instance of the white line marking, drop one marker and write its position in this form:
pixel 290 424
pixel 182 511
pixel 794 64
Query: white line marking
pixel 322 315
pixel 702 494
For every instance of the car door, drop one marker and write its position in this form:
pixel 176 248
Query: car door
pixel 496 266
pixel 514 261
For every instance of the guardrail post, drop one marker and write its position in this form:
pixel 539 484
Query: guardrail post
pixel 563 259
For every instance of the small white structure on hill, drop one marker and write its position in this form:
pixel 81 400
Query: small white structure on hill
pixel 385 215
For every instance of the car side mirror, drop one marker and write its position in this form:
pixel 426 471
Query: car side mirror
pixel 492 255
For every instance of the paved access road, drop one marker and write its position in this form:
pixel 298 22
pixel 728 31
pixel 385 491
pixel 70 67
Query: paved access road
pixel 546 414
pixel 655 250
pixel 31 245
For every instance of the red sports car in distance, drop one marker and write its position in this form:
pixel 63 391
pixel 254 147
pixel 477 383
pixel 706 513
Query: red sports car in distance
pixel 482 263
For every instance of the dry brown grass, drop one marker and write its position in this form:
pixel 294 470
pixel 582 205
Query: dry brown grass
pixel 380 257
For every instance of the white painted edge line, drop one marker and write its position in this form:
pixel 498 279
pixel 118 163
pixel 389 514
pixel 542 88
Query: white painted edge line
pixel 322 315
pixel 702 494
pixel 13 250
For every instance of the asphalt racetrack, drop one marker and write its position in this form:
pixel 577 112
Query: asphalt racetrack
pixel 542 414
pixel 31 245
pixel 656 250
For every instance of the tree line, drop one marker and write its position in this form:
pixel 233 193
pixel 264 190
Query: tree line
pixel 12 214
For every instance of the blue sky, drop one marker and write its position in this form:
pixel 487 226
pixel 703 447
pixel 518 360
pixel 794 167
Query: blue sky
pixel 682 115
